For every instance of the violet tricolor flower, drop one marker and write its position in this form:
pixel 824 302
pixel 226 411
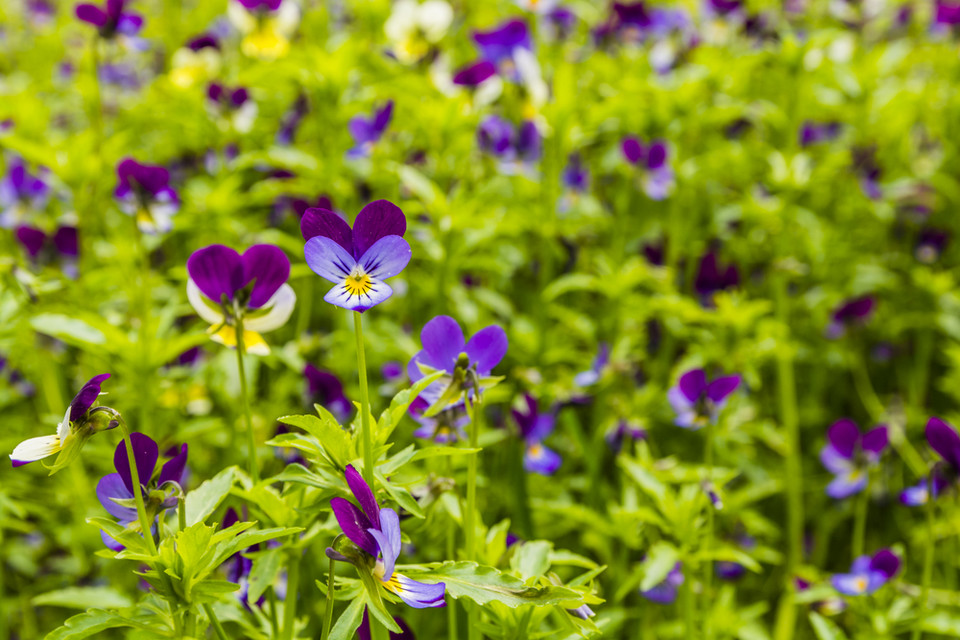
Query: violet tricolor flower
pixel 653 160
pixel 226 288
pixel 855 311
pixel 234 107
pixel 849 455
pixel 144 192
pixel 196 62
pixel 867 574
pixel 80 421
pixel 815 132
pixel 500 44
pixel 712 277
pixel 924 491
pixel 931 244
pixel 697 401
pixel 376 532
pixel 575 176
pixel 666 591
pixel 943 439
pixel 367 131
pixel 290 122
pixel 534 428
pixel 267 26
pixel 514 147
pixel 61 247
pixel 466 364
pixel 357 260
pixel 325 388
pixel 592 375
pixel 444 427
pixel 111 19
pixel 21 192
pixel 115 491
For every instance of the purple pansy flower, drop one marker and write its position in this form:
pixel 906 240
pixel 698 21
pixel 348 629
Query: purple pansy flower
pixel 79 423
pixel 144 192
pixel 851 312
pixel 42 248
pixel 357 260
pixel 514 147
pixel 111 19
pixel 475 73
pixel 925 490
pixel 21 192
pixel 712 277
pixel 575 176
pixel 225 287
pixel 534 428
pixel 666 591
pixel 867 574
pixel 816 132
pixel 621 432
pixel 943 439
pixel 731 571
pixel 947 13
pixel 233 106
pixel 931 244
pixel 115 491
pixel 446 427
pixel 697 401
pixel 291 120
pixel 592 375
pixel 500 43
pixel 376 532
pixel 325 388
pixel 367 131
pixel 653 160
pixel 866 167
pixel 849 455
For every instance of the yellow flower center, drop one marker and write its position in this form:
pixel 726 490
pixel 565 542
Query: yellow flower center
pixel 357 283
pixel 861 584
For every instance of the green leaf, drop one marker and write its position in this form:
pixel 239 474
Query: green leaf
pixel 71 330
pixel 205 499
pixel 94 621
pixel 943 623
pixel 661 559
pixel 83 598
pixel 266 566
pixel 532 559
pixel 250 538
pixel 826 629
pixel 328 432
pixel 349 620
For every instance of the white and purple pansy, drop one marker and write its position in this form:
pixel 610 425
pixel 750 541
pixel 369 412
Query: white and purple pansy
pixel 229 290
pixel 849 455
pixel 592 375
pixel 376 531
pixel 21 192
pixel 867 574
pixel 653 160
pixel 414 27
pixel 112 19
pixel 72 432
pixel 234 108
pixel 534 428
pixel 267 26
pixel 357 260
pixel 115 491
pixel 697 401
pixel 144 191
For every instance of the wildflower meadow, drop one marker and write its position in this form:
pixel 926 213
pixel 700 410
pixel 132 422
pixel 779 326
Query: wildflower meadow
pixel 463 319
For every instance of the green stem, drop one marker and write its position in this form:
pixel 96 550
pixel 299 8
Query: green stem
pixel 3 599
pixel 708 565
pixel 272 601
pixel 290 602
pixel 245 400
pixel 328 612
pixel 860 522
pixel 137 495
pixel 182 512
pixel 367 435
pixel 470 514
pixel 688 608
pixel 927 570
pixel 217 627
pixel 451 555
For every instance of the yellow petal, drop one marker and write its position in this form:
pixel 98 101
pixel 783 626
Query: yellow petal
pixel 253 342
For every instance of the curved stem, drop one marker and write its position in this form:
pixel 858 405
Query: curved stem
pixel 470 514
pixel 366 427
pixel 927 573
pixel 451 554
pixel 245 400
pixel 290 602
pixel 708 565
pixel 860 522
pixel 137 495
pixel 217 627
pixel 328 612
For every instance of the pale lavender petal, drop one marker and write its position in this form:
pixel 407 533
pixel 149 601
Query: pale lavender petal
pixel 112 486
pixel 328 259
pixel 386 257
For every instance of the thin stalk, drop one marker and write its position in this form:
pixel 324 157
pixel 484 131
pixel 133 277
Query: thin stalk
pixel 366 427
pixel 927 573
pixel 272 601
pixel 451 555
pixel 328 612
pixel 245 400
pixel 860 523
pixel 217 627
pixel 708 565
pixel 3 599
pixel 689 613
pixel 290 602
pixel 182 512
pixel 469 516
pixel 137 495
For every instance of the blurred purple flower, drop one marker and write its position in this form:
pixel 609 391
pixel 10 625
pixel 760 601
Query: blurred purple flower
pixel 325 388
pixel 849 455
pixel 111 19
pixel 21 192
pixel 653 160
pixel 367 131
pixel 144 191
pixel 534 428
pixel 867 574
pixel 697 401
pixel 666 591
pixel 855 311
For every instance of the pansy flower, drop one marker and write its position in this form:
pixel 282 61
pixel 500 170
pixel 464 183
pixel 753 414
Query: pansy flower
pixel 234 107
pixel 816 132
pixel 592 375
pixel 867 574
pixel 115 491
pixel 291 120
pixel 697 401
pixel 500 44
pixel 931 244
pixel 196 62
pixel 653 161
pixel 367 131
pixel 357 260
pixel 943 439
pixel 534 428
pixel 925 490
pixel 79 423
pixel 21 192
pixel 444 427
pixel 575 179
pixel 666 591
pixel 325 388
pixel 227 289
pixel 947 14
pixel 112 19
pixel 267 26
pixel 466 364
pixel 713 277
pixel 376 532
pixel 850 313
pixel 144 192
pixel 515 148
pixel 849 455
pixel 869 172
pixel 414 27
pixel 42 248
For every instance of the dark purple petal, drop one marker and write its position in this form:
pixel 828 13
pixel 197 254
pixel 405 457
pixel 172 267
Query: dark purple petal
pixel 115 8
pixel 632 149
pixel 65 240
pixel 656 155
pixel 364 495
pixel 271 268
pixel 173 469
pixel 875 440
pixel 86 396
pixel 354 524
pixel 475 73
pixel 844 435
pixel 720 388
pixel 528 142
pixel 944 440
pixel 217 270
pixel 91 14
pixel 112 486
pixel 693 384
pixel 377 220
pixel 323 222
pixel 886 562
pixel 381 118
pixel 145 453
pixel 499 43
pixel 486 348
pixel 32 239
pixel 203 41
pixel 443 341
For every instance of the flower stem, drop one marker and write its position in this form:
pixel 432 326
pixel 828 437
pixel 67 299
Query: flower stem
pixel 708 544
pixel 688 608
pixel 367 435
pixel 245 400
pixel 290 602
pixel 451 554
pixel 927 573
pixel 860 522
pixel 470 515
pixel 328 612
pixel 217 627
pixel 137 495
pixel 182 512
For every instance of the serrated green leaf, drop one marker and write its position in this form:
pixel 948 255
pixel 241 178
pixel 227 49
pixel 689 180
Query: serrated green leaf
pixel 349 620
pixel 205 499
pixel 94 621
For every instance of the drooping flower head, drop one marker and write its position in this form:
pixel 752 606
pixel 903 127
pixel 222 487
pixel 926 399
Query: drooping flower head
pixel 79 423
pixel 115 491
pixel 867 574
pixel 112 19
pixel 357 260
pixel 697 401
pixel 414 27
pixel 376 532
pixel 267 25
pixel 367 131
pixel 225 287
pixel 515 147
pixel 666 591
pixel 855 311
pixel 144 192
pixel 534 428
pixel 21 192
pixel 849 455
pixel 325 388
pixel 234 108
pixel 653 160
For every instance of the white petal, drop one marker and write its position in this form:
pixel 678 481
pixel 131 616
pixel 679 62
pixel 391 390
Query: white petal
pixel 402 21
pixel 202 305
pixel 63 429
pixel 35 449
pixel 435 17
pixel 280 306
pixel 240 17
pixel 288 17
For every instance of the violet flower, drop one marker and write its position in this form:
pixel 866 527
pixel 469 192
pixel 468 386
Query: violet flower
pixel 267 26
pixel 575 176
pixel 620 433
pixel 144 192
pixel 42 248
pixel 814 132
pixel 499 45
pixel 592 375
pixel 115 491
pixel 711 277
pixel 445 427
pixel 855 311
pixel 931 244
pixel 947 13
pixel 924 491
pixel 21 192
pixel 326 389
pixel 534 428
pixel 291 120
pixel 376 532
pixel 943 438
pixel 80 421
pixel 225 287
pixel 357 260
pixel 234 106
pixel 111 19
pixel 849 455
pixel 367 131
pixel 653 161
pixel 867 574
pixel 515 148
pixel 666 591
pixel 731 571
pixel 196 62
pixel 697 401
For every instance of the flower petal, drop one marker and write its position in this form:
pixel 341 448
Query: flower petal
pixel 271 268
pixel 850 584
pixel 112 486
pixel 327 224
pixel 379 219
pixel 364 495
pixel 693 384
pixel 173 469
pixel 145 453
pixel 844 436
pixel 278 309
pixel 34 449
pixel 720 388
pixel 875 441
pixel 388 539
pixel 328 259
pixel 91 14
pixel 834 462
pixel 847 484
pixel 540 459
pixel 443 341
pixel 419 595
pixel 205 308
pixel 354 524
pixel 342 296
pixel 386 258
pixel 86 396
pixel 217 270
pixel 486 348
pixel 944 440
pixel 885 562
